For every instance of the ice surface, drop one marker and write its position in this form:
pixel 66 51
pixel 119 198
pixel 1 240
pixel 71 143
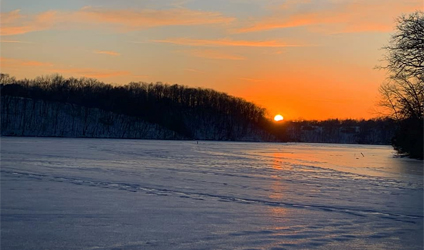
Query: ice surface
pixel 140 194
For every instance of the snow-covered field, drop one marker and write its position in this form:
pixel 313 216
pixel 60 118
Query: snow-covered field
pixel 140 194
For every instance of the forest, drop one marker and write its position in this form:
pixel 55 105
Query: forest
pixel 71 107
pixel 186 113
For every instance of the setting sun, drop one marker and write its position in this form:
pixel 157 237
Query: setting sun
pixel 278 118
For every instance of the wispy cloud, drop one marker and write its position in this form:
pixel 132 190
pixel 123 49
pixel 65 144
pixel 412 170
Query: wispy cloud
pixel 292 21
pixel 347 16
pixel 107 52
pixel 194 70
pixel 146 18
pixel 15 23
pixel 372 16
pixel 250 79
pixel 179 3
pixel 13 63
pixel 289 4
pixel 13 41
pixel 226 42
pixel 19 63
pixel 212 54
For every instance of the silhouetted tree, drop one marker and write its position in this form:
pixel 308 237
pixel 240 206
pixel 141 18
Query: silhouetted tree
pixel 403 91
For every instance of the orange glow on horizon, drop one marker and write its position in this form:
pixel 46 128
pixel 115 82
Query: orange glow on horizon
pixel 319 93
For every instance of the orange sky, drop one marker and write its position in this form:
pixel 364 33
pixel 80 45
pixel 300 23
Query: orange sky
pixel 304 59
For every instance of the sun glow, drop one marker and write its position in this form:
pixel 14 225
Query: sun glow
pixel 278 118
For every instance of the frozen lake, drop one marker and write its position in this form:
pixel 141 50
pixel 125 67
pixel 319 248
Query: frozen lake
pixel 140 194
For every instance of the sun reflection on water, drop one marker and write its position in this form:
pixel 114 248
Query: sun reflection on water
pixel 277 186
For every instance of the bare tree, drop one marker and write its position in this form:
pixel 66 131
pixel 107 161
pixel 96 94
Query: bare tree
pixel 403 91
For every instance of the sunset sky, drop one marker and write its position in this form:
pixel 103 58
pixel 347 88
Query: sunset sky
pixel 305 59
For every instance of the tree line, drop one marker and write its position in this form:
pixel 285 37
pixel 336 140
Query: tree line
pixel 58 106
pixel 378 131
pixel 175 107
